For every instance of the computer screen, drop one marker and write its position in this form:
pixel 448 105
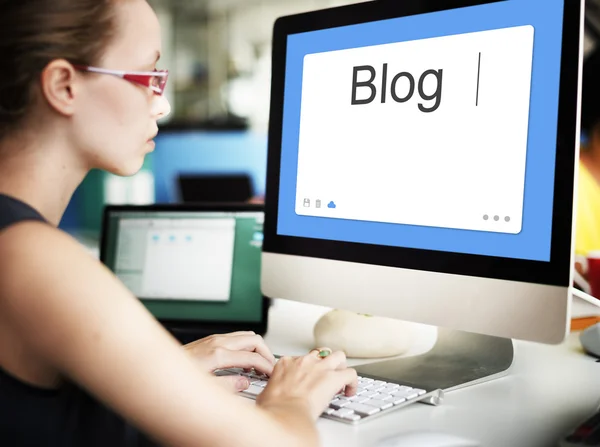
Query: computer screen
pixel 188 265
pixel 434 131
pixel 428 149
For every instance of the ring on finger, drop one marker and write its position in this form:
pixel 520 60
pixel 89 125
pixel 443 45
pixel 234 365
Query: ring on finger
pixel 323 352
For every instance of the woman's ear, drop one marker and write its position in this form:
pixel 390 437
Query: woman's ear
pixel 58 86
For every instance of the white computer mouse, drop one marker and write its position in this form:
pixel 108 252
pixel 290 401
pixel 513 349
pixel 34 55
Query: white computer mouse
pixel 426 439
pixel 590 340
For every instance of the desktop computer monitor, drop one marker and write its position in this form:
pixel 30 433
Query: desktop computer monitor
pixel 421 162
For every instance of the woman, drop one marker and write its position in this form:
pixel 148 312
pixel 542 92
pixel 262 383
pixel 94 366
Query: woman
pixel 78 353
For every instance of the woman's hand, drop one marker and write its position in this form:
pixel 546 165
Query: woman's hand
pixel 311 378
pixel 236 350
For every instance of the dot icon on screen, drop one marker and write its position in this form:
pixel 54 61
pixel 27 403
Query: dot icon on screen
pixel 486 217
pixel 507 219
pixel 496 218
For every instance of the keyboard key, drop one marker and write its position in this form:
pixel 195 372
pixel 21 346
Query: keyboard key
pixel 381 404
pixel 406 394
pixel 352 417
pixel 377 388
pixel 342 412
pixel 254 390
pixel 369 394
pixel 328 411
pixel 358 399
pixel 339 403
pixel 362 409
pixel 387 392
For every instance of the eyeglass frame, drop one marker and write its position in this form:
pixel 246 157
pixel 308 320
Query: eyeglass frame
pixel 143 78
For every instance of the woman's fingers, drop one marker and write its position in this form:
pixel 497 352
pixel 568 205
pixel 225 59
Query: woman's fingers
pixel 234 383
pixel 346 378
pixel 246 342
pixel 335 360
pixel 235 334
pixel 226 358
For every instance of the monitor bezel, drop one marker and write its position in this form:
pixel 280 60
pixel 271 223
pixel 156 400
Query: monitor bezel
pixel 205 326
pixel 555 272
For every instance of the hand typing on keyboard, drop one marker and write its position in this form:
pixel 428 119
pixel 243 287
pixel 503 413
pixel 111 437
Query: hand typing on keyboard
pixel 245 350
pixel 331 390
pixel 312 378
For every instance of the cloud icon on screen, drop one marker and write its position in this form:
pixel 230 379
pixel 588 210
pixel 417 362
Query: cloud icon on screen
pixel 331 205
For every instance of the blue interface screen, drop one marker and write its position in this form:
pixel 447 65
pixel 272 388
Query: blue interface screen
pixel 532 238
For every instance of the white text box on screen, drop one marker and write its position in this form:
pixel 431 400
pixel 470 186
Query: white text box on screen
pixel 429 132
pixel 190 261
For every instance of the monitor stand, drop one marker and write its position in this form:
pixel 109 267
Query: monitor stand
pixel 458 359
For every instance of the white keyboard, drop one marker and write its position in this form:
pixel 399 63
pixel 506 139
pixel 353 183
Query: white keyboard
pixel 373 397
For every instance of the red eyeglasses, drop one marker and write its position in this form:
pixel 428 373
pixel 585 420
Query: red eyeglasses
pixel 155 80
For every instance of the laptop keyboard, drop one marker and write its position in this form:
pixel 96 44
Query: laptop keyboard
pixel 373 398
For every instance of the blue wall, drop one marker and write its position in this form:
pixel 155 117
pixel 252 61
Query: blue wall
pixel 207 152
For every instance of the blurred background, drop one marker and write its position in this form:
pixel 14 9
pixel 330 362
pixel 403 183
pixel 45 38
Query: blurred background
pixel 213 146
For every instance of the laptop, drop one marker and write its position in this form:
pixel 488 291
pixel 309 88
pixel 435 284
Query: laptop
pixel 196 267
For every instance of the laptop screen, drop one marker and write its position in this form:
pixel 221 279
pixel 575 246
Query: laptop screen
pixel 189 265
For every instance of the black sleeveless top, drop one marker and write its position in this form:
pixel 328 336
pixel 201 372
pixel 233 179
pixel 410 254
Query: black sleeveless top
pixel 67 416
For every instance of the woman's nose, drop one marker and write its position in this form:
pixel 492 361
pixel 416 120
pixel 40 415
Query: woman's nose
pixel 160 107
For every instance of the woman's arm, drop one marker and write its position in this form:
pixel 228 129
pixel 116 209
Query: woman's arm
pixel 79 318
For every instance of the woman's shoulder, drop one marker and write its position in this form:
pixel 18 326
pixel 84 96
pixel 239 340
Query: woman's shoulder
pixel 30 249
pixel 28 235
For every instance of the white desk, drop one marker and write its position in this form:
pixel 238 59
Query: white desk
pixel 548 390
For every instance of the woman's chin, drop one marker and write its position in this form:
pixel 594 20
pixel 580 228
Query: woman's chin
pixel 127 169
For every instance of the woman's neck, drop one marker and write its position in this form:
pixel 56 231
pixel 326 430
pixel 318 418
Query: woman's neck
pixel 42 175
